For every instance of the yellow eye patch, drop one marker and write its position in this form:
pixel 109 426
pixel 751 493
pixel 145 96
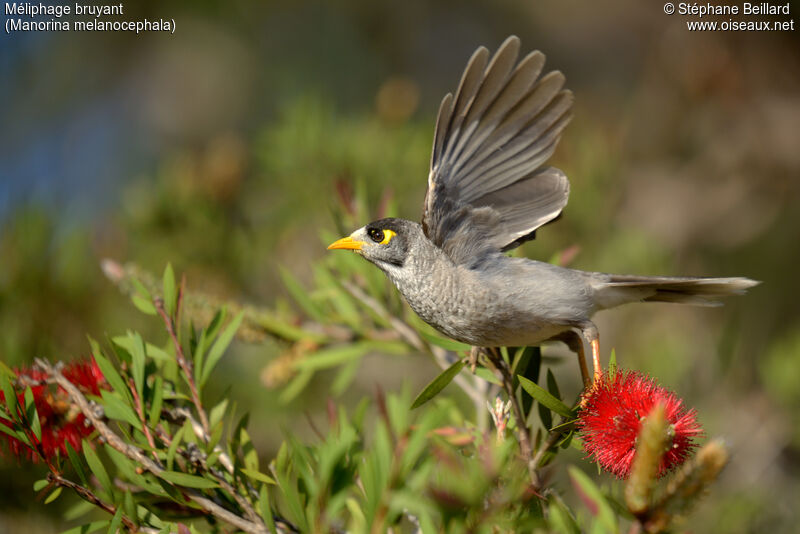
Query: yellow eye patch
pixel 387 236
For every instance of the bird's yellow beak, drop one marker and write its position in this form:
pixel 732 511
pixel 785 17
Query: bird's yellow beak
pixel 347 243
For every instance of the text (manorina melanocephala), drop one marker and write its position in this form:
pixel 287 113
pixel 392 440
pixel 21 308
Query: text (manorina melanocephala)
pixel 488 191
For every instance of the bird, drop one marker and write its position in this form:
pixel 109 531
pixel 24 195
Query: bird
pixel 489 190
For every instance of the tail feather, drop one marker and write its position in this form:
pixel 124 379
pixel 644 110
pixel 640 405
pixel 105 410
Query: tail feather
pixel 619 289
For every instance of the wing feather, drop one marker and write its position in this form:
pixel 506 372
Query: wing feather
pixel 488 189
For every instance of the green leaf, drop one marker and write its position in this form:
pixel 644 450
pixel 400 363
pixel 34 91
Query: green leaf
pixel 77 463
pixel 295 387
pixel 300 295
pixel 94 526
pixel 54 495
pixel 138 363
pixel 545 398
pixel 438 384
pixel 258 475
pixel 561 519
pixel 158 400
pixel 488 375
pixel 39 485
pixel 143 305
pixel 345 377
pixel 96 467
pixel 10 395
pixel 332 357
pixel 217 412
pixel 248 450
pixel 170 295
pixel 31 414
pixel 447 344
pixel 14 434
pixel 107 368
pixel 173 447
pixel 142 298
pixel 591 495
pixel 7 371
pixel 152 351
pixel 115 408
pixel 266 511
pixel 187 481
pixel 113 527
pixel 220 345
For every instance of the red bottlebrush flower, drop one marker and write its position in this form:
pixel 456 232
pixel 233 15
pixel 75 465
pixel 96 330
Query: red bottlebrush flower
pixel 612 413
pixel 60 420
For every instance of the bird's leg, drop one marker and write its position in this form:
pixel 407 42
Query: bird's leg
pixel 474 354
pixel 590 334
pixel 574 342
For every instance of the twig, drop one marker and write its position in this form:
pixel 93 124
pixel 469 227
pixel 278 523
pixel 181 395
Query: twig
pixel 88 495
pixel 186 365
pixel 508 385
pixel 136 454
pixel 138 405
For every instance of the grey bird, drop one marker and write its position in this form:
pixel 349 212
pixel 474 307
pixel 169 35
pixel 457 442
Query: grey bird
pixel 488 191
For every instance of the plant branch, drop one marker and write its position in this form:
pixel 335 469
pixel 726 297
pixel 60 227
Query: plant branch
pixel 508 384
pixel 136 454
pixel 186 365
pixel 88 495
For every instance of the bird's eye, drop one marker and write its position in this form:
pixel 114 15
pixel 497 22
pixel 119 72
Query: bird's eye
pixel 375 234
pixel 381 237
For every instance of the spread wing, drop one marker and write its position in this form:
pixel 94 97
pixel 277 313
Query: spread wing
pixel 488 188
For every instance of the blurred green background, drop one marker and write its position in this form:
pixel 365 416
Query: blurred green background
pixel 219 147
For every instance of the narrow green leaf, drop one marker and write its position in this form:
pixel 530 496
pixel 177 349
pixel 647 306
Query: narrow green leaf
pixel 143 305
pixel 266 511
pixel 138 363
pixel 158 400
pixel 300 295
pixel 173 447
pixel 591 495
pixel 187 481
pixel 331 357
pixel 220 345
pixel 109 371
pixel 54 495
pixel 248 450
pixel 295 387
pixel 77 463
pixel 113 527
pixel 170 295
pixel 94 526
pixel 10 395
pixel 96 467
pixel 39 485
pixel 438 384
pixel 561 519
pixel 115 408
pixel 545 398
pixel 447 344
pixel 488 375
pixel 345 377
pixel 31 414
pixel 258 475
pixel 14 433
pixel 7 371
pixel 142 299
pixel 217 412
pixel 79 509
